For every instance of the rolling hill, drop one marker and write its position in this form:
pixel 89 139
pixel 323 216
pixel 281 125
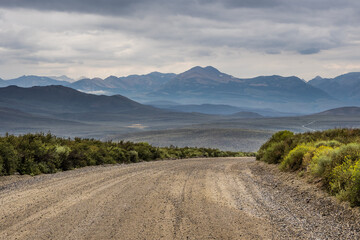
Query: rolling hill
pixel 55 99
pixel 343 111
pixel 98 115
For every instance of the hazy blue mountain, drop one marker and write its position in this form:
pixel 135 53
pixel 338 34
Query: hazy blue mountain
pixel 148 82
pixel 55 99
pixel 94 85
pixel 62 78
pixel 203 82
pixel 67 103
pixel 208 85
pixel 131 86
pixel 345 87
pixel 343 111
pixel 30 81
pixel 68 112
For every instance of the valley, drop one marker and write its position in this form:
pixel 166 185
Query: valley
pixel 66 112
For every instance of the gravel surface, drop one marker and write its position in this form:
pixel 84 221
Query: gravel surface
pixel 224 198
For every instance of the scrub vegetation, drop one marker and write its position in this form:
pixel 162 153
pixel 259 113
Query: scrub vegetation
pixel 331 156
pixel 45 153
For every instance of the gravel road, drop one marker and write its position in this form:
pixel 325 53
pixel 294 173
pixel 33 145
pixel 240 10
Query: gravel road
pixel 227 198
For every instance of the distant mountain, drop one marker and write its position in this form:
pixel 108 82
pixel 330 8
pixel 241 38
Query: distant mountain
pixel 208 85
pixel 90 85
pixel 343 111
pixel 140 83
pixel 66 103
pixel 60 99
pixel 68 112
pixel 30 81
pixel 63 78
pixel 344 87
pixel 132 85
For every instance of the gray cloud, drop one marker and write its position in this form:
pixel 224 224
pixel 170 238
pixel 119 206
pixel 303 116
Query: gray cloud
pixel 87 6
pixel 189 7
pixel 163 33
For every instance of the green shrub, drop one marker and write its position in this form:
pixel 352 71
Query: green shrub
pixel 44 153
pixel 294 160
pixel 2 172
pixel 321 160
pixel 351 151
pixel 332 155
pixel 133 156
pixel 346 181
pixel 274 153
pixel 9 158
pixel 276 147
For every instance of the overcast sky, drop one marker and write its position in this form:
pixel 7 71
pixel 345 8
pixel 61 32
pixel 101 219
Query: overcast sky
pixel 244 38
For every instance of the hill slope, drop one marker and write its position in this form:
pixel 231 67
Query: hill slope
pixel 63 99
pixel 343 111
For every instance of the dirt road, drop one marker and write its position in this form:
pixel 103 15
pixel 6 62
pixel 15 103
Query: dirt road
pixel 230 198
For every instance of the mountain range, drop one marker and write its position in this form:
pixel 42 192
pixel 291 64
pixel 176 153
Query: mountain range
pixel 70 113
pixel 345 87
pixel 207 85
pixel 66 111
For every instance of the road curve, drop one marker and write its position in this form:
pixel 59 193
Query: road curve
pixel 228 198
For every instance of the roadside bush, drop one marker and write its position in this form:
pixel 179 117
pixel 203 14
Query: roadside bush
pixel 9 158
pixel 351 151
pixel 133 156
pixel 345 183
pixel 294 160
pixel 45 153
pixel 333 156
pixel 274 152
pixel 321 161
pixel 276 147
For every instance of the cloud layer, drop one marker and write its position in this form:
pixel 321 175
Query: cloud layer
pixel 244 38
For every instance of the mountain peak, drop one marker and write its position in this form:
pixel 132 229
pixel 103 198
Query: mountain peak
pixel 204 75
pixel 208 69
pixel 317 78
pixel 212 69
